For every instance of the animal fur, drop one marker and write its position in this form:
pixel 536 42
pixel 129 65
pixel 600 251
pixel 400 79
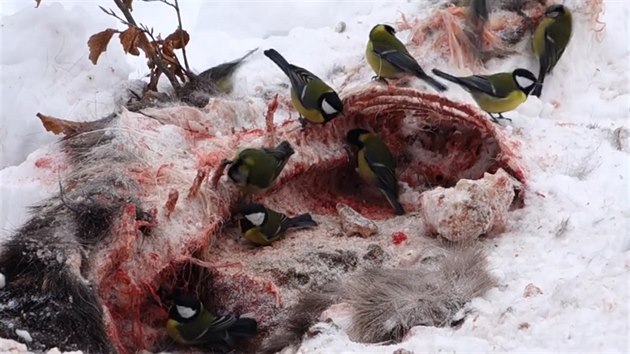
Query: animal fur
pixel 46 263
pixel 386 303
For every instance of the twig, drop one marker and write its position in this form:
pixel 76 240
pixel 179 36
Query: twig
pixel 155 57
pixel 137 96
pixel 181 35
pixel 562 227
pixel 112 13
pixel 181 27
pixel 163 1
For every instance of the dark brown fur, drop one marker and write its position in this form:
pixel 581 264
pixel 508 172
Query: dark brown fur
pixel 46 262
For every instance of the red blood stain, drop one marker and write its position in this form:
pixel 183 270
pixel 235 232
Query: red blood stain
pixel 43 162
pixel 399 237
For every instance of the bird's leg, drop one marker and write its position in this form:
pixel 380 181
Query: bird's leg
pixel 494 120
pixel 303 122
pixel 502 117
pixel 380 79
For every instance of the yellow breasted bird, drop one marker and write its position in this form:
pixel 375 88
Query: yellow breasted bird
pixel 262 226
pixel 190 324
pixel 496 93
pixel 389 58
pixel 550 40
pixel 221 75
pixel 255 169
pixel 316 102
pixel 376 164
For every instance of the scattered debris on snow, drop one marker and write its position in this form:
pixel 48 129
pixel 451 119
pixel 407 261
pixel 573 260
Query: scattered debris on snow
pixel 471 208
pixel 353 223
pixel 24 335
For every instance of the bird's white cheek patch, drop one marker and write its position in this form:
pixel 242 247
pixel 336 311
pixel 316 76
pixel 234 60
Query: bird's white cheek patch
pixel 185 312
pixel 256 218
pixel 523 81
pixel 328 108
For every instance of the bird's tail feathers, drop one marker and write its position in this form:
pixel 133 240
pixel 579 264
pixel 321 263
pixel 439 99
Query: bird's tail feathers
pixel 393 201
pixel 285 149
pixel 241 59
pixel 446 76
pixel 301 221
pixel 244 327
pixel 432 82
pixel 279 60
pixel 537 91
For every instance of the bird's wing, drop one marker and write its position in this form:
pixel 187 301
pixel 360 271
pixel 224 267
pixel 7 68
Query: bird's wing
pixel 280 158
pixel 312 93
pixel 552 54
pixel 285 222
pixel 384 171
pixel 221 323
pixel 399 57
pixel 300 78
pixel 479 83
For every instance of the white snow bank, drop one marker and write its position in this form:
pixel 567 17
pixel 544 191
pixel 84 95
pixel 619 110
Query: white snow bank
pixel 44 67
pixel 264 18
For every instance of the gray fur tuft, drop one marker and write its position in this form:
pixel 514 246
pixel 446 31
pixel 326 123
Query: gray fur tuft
pixel 387 303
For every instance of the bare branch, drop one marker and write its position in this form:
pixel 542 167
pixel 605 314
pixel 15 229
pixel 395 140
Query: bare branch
pixel 111 12
pixel 154 57
pixel 164 1
pixel 562 227
pixel 181 34
pixel 125 12
pixel 148 31
pixel 179 20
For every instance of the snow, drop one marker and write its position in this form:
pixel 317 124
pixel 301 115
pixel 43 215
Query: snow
pixel 571 240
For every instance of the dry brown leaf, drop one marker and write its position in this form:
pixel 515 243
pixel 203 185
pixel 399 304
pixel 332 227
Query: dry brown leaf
pixel 129 40
pixel 37 3
pixel 59 126
pixel 168 52
pixel 127 4
pixel 143 43
pixel 175 39
pixel 98 43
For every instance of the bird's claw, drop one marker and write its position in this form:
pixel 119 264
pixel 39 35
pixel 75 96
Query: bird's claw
pixel 303 122
pixel 379 79
pixel 496 119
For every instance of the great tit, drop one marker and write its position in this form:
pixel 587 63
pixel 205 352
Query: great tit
pixel 221 75
pixel 389 58
pixel 550 40
pixel 262 226
pixel 496 93
pixel 255 169
pixel 376 165
pixel 316 102
pixel 189 323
